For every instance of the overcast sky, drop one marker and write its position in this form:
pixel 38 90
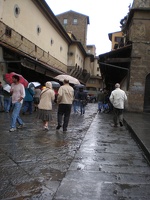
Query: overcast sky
pixel 104 16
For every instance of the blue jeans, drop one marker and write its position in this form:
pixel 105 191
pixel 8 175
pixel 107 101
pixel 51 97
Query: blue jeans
pixel 15 115
pixel 27 106
pixel 100 105
pixel 75 105
pixel 82 108
pixel 7 104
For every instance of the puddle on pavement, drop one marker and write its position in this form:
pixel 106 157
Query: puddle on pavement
pixel 29 187
pixel 53 174
pixel 58 140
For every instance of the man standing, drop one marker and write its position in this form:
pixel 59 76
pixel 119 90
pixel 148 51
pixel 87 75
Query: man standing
pixel 18 93
pixel 118 98
pixel 64 99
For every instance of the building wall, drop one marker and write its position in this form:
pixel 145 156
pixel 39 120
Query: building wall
pixel 91 49
pixel 140 63
pixel 39 37
pixel 21 43
pixel 79 29
pixel 96 70
pixel 75 56
pixel 115 35
pixel 141 4
pixel 35 27
pixel 87 65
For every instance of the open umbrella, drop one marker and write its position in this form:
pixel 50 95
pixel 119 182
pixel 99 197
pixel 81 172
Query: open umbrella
pixel 79 86
pixel 34 84
pixel 71 79
pixel 8 78
pixel 55 84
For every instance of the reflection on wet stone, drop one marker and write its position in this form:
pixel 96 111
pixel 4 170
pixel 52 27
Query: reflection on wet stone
pixel 34 162
pixel 91 160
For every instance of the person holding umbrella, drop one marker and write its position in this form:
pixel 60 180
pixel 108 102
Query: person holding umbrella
pixel 18 93
pixel 64 100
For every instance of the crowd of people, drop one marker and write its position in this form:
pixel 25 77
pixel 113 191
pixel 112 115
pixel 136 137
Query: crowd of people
pixel 21 98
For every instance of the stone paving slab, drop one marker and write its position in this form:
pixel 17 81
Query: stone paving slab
pixel 34 162
pixel 139 126
pixel 106 169
pixel 91 161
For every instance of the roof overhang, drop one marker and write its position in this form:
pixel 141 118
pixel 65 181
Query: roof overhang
pixel 114 65
pixel 30 62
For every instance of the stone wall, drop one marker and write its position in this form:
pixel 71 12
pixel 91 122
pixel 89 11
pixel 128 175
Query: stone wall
pixel 140 59
pixel 140 68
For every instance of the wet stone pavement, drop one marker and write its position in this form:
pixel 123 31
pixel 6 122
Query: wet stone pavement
pixel 92 161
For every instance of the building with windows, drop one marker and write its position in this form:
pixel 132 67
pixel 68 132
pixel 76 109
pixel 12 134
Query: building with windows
pixel 130 64
pixel 39 47
pixel 117 40
pixel 76 24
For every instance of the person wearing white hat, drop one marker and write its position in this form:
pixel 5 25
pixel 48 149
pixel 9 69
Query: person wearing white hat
pixel 45 105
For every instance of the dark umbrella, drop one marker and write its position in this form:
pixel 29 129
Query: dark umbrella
pixel 79 86
pixel 55 84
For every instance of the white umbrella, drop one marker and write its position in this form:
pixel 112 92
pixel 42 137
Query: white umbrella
pixel 7 87
pixel 71 79
pixel 34 84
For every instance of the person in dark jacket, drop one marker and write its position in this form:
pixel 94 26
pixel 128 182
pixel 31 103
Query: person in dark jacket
pixel 100 100
pixel 82 96
pixel 28 100
pixel 76 101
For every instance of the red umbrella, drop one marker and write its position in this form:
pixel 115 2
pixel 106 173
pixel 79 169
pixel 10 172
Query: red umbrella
pixel 8 78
